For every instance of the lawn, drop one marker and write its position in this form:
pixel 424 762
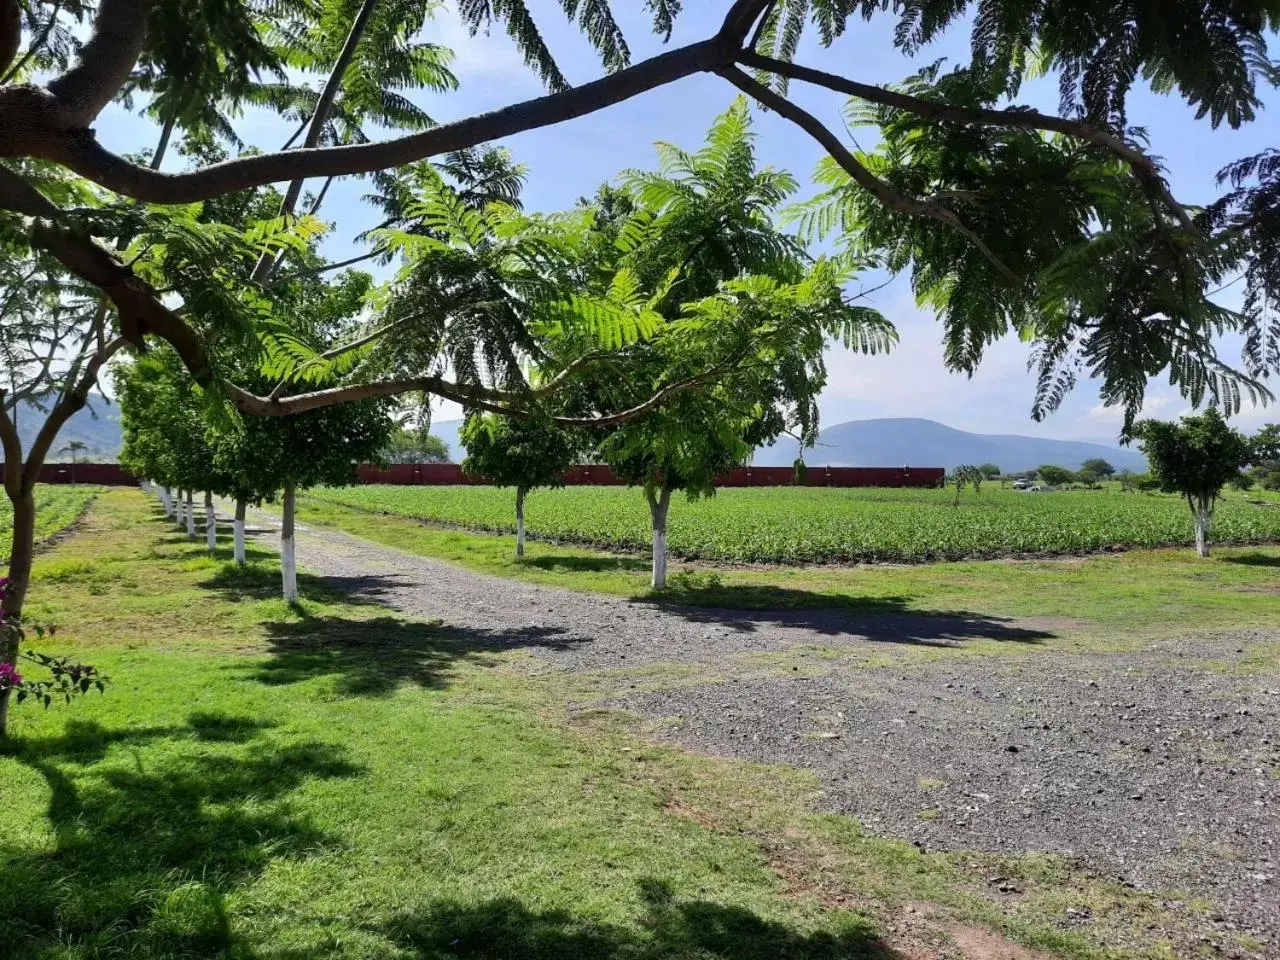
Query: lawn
pixel 334 781
pixel 814 525
pixel 57 507
pixel 1108 597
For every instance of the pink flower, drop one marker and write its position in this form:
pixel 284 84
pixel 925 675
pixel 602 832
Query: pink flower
pixel 9 676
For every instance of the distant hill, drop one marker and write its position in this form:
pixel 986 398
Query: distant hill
pixel 926 443
pixel 894 442
pixel 97 426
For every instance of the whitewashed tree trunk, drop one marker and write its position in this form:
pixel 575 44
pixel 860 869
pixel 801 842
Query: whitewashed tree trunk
pixel 1204 520
pixel 190 516
pixel 166 500
pixel 239 548
pixel 519 522
pixel 210 523
pixel 177 509
pixel 288 561
pixel 658 514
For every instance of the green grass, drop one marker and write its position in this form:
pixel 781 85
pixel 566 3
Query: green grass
pixel 1106 596
pixel 335 782
pixel 813 525
pixel 57 507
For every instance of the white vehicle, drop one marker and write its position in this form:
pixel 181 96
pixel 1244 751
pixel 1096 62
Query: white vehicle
pixel 1021 484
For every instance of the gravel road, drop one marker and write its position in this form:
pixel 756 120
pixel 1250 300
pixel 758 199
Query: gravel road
pixel 1159 767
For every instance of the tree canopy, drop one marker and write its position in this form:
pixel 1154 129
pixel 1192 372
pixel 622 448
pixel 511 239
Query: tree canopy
pixel 1060 228
pixel 1195 458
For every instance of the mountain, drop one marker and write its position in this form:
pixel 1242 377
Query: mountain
pixel 97 426
pixel 926 443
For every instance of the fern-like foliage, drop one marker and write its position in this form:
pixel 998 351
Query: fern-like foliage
pixel 1107 284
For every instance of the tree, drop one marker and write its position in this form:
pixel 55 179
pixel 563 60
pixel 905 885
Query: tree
pixel 413 445
pixel 1098 467
pixel 1089 477
pixel 1054 476
pixel 990 471
pixel 1195 458
pixel 525 454
pixel 968 474
pixel 701 226
pixel 75 448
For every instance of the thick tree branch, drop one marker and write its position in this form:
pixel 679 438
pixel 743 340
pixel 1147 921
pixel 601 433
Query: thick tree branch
pixel 104 64
pixel 84 155
pixel 10 31
pixel 12 445
pixel 882 191
pixel 1143 166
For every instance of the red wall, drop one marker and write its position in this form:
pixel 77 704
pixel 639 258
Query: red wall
pixel 438 474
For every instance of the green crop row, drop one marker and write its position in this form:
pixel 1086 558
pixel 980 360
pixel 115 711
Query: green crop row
pixel 807 525
pixel 57 507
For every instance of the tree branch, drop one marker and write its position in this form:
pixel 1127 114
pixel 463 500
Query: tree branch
pixel 36 45
pixel 1143 166
pixel 314 271
pixel 104 64
pixel 882 191
pixel 655 401
pixel 85 156
pixel 12 445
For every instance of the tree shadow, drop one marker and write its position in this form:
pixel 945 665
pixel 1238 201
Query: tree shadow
pixel 746 608
pixel 261 581
pixel 147 843
pixel 586 564
pixel 668 927
pixel 1254 559
pixel 372 657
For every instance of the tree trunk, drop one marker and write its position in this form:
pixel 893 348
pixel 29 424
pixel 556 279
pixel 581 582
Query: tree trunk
pixel 166 501
pixel 210 523
pixel 519 522
pixel 21 551
pixel 1204 519
pixel 191 517
pixel 239 549
pixel 288 562
pixel 658 513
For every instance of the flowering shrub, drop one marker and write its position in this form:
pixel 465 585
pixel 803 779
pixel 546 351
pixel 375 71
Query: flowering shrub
pixel 65 678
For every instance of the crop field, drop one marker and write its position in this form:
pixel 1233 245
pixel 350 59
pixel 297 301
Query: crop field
pixel 57 507
pixel 807 525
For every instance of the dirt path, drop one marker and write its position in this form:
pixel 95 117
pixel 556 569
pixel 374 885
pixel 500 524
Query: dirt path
pixel 1160 768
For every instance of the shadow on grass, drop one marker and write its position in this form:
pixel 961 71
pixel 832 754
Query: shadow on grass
pixel 374 656
pixel 1255 559
pixel 667 927
pixel 152 829
pixel 586 564
pixel 748 607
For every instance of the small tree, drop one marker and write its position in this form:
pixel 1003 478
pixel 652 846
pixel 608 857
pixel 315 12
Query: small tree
pixel 968 474
pixel 75 448
pixel 1054 476
pixel 1098 467
pixel 990 471
pixel 521 453
pixel 1090 478
pixel 1195 458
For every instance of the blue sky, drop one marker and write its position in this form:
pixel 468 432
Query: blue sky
pixel 569 160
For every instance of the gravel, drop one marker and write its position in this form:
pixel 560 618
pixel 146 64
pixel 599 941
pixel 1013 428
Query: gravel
pixel 1158 767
